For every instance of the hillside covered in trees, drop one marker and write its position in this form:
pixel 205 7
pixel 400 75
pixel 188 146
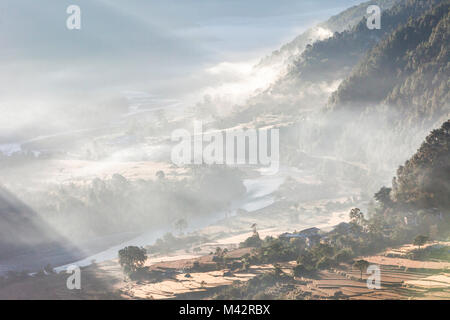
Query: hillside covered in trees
pixel 316 70
pixel 424 180
pixel 360 94
pixel 345 20
pixel 407 71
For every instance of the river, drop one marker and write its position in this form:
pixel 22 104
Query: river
pixel 258 195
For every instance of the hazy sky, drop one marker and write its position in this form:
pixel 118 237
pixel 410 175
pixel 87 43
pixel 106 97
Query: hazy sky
pixel 160 47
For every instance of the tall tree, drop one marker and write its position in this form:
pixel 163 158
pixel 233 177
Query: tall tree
pixel 361 265
pixel 132 258
pixel 420 240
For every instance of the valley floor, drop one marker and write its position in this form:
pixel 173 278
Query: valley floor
pixel 298 204
pixel 172 277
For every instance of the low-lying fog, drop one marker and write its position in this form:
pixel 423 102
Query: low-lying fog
pixel 86 122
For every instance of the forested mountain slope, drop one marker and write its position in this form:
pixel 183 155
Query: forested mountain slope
pixel 424 180
pixel 408 71
pixel 317 72
pixel 345 20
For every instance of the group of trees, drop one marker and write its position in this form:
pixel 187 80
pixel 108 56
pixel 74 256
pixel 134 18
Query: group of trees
pixel 118 204
pixel 422 182
pixel 362 236
pixel 168 242
pixel 309 259
pixel 419 200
